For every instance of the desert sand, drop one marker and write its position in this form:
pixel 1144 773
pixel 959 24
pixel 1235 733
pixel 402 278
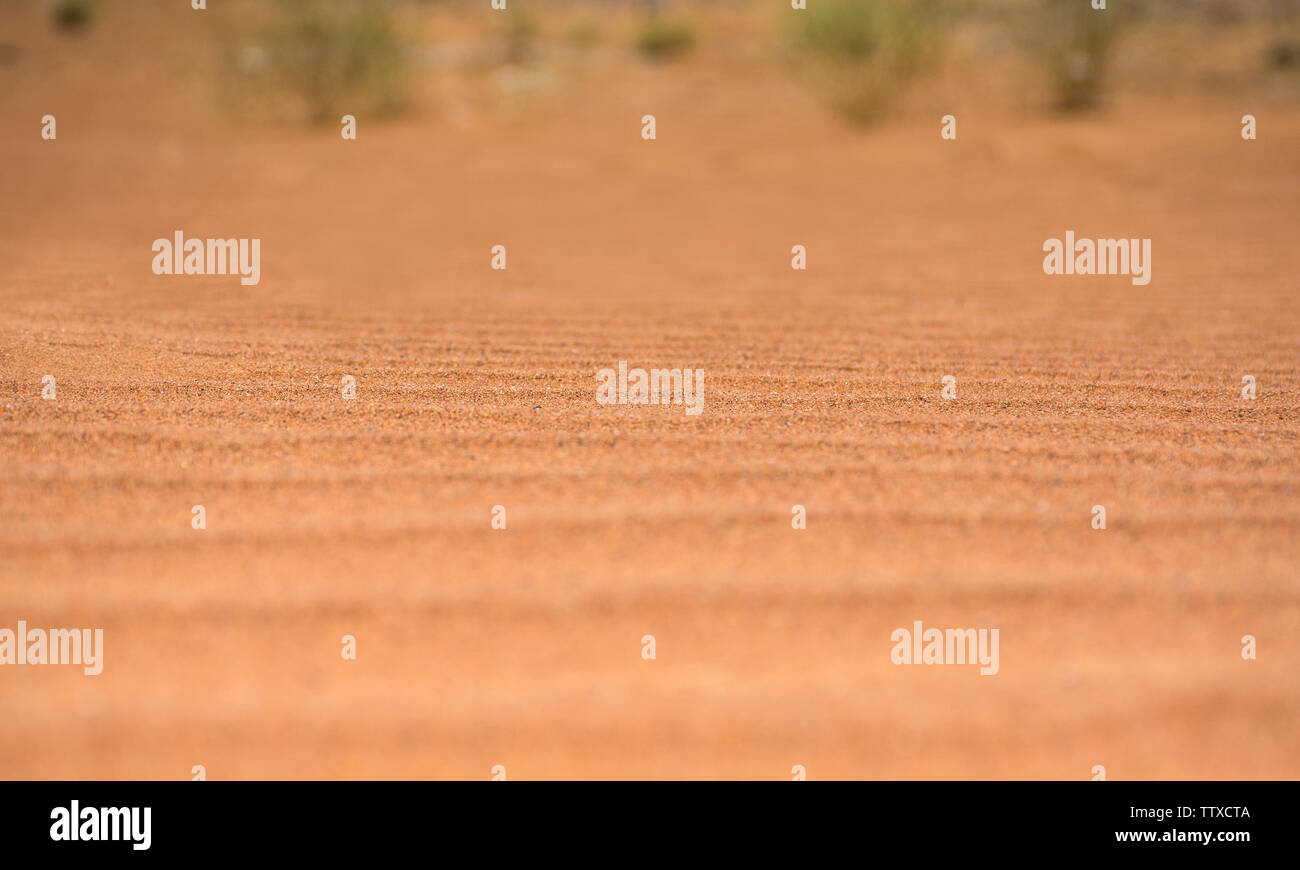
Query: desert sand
pixel 522 647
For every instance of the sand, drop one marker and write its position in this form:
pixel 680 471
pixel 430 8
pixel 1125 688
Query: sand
pixel 522 647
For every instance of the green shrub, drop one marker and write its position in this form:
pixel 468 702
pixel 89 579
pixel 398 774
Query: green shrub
pixel 1075 43
pixel 520 31
pixel 73 14
pixel 584 35
pixel 338 55
pixel 663 38
pixel 1283 54
pixel 859 56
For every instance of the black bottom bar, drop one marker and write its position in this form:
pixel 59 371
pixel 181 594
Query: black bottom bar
pixel 637 821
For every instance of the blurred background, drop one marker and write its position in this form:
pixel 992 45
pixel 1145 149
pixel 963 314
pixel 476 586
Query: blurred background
pixel 305 61
pixel 371 517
